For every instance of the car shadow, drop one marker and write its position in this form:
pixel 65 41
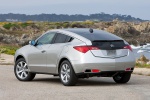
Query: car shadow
pixel 48 80
pixel 86 82
pixel 82 82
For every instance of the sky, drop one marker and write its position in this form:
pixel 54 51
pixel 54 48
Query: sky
pixel 135 8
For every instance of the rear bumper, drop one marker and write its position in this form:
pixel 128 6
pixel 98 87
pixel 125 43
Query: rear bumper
pixel 103 64
pixel 101 74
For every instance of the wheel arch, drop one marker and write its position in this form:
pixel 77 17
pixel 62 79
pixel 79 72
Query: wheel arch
pixel 60 61
pixel 19 56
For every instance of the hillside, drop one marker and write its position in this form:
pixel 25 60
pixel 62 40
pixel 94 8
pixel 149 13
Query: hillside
pixel 19 33
pixel 65 17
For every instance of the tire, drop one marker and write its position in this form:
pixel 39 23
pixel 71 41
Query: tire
pixel 122 77
pixel 67 74
pixel 21 71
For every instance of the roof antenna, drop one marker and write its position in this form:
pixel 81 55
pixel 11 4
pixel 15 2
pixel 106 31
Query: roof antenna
pixel 91 30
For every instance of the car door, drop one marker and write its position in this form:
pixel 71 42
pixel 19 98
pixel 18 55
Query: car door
pixel 61 41
pixel 38 54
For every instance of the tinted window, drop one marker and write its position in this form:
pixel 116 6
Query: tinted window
pixel 96 35
pixel 69 39
pixel 45 39
pixel 109 45
pixel 61 38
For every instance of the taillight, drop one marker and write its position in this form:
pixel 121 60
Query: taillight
pixel 95 70
pixel 85 49
pixel 128 47
pixel 128 69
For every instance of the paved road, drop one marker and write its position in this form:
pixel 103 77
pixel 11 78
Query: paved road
pixel 47 87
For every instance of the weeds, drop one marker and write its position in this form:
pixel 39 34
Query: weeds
pixel 140 65
pixel 8 49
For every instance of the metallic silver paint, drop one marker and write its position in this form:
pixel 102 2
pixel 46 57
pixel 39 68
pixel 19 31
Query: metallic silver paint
pixel 46 58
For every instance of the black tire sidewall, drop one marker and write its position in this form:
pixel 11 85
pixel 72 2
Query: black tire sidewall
pixel 124 79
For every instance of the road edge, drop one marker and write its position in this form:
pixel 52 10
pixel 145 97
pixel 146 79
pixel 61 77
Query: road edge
pixel 142 71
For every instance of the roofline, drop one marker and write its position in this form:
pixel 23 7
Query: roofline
pixel 72 34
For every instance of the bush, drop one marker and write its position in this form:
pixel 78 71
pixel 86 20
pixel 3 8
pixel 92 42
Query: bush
pixel 9 25
pixel 66 25
pixel 140 65
pixel 8 49
pixel 24 25
pixel 77 25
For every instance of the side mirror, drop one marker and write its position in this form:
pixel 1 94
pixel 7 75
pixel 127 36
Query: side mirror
pixel 32 42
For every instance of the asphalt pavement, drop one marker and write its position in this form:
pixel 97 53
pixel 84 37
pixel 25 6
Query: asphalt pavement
pixel 48 87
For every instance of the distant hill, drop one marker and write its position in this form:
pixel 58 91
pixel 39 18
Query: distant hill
pixel 64 17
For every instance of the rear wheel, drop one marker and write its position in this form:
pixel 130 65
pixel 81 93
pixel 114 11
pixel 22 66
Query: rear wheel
pixel 122 77
pixel 67 74
pixel 21 71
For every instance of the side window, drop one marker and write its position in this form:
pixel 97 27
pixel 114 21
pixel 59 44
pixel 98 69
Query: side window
pixel 69 39
pixel 46 39
pixel 60 38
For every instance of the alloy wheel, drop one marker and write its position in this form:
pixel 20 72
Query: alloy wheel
pixel 65 73
pixel 22 70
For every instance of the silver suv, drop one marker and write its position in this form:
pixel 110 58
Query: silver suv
pixel 75 53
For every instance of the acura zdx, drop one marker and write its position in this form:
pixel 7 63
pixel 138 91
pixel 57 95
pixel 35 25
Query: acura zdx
pixel 75 53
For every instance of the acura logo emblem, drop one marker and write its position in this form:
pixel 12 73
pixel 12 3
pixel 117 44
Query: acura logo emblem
pixel 112 45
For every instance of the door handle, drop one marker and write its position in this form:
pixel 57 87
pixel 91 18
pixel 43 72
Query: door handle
pixel 43 51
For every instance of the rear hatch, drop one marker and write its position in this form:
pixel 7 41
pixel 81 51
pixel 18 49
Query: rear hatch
pixel 109 48
pixel 104 44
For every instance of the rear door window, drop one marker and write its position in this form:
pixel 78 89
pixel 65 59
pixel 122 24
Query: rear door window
pixel 62 38
pixel 69 39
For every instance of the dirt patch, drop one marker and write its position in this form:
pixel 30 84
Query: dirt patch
pixel 6 59
pixel 142 71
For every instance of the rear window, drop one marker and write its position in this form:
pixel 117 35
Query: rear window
pixel 109 45
pixel 96 35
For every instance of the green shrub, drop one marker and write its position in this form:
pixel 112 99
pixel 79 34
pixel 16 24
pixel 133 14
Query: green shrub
pixel 8 49
pixel 140 65
pixel 24 24
pixel 9 25
pixel 66 25
pixel 11 52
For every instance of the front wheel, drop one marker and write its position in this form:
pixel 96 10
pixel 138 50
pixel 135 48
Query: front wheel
pixel 21 71
pixel 67 74
pixel 122 77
